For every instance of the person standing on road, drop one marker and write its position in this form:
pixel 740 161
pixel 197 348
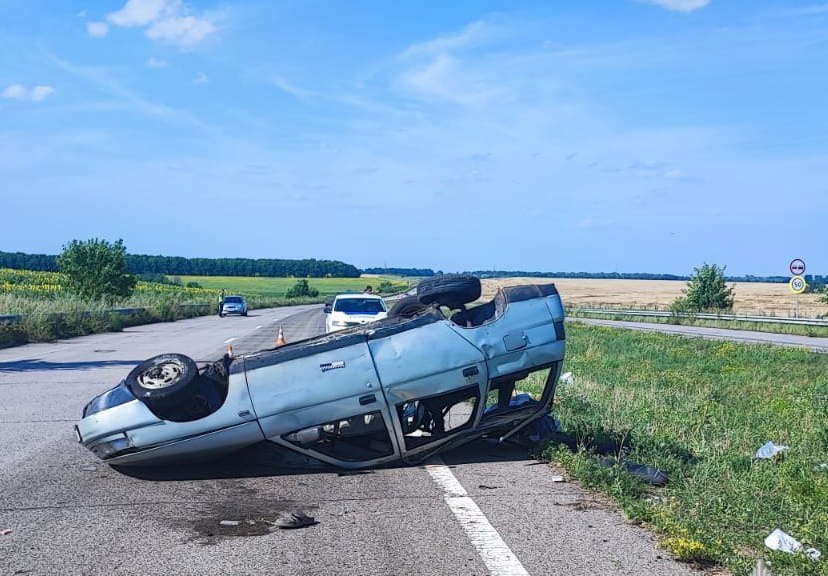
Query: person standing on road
pixel 221 302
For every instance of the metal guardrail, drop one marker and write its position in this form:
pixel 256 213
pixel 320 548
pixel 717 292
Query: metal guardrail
pixel 15 318
pixel 703 316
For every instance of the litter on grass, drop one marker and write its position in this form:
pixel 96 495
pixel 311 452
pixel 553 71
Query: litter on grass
pixel 769 450
pixel 782 542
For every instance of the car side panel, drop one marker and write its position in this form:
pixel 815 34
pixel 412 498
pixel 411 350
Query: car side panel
pixel 524 337
pixel 285 395
pixel 425 362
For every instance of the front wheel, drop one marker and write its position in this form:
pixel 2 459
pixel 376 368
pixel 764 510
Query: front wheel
pixel 171 387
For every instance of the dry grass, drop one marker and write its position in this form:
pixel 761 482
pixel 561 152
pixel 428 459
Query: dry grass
pixel 751 298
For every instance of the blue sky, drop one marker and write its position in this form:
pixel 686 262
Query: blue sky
pixel 616 135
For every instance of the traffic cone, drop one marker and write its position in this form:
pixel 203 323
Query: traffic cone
pixel 230 351
pixel 280 339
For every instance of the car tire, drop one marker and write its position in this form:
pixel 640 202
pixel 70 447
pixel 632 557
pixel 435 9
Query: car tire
pixel 450 290
pixel 407 307
pixel 171 387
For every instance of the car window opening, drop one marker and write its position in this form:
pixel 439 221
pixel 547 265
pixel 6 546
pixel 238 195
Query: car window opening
pixel 429 419
pixel 474 316
pixel 515 391
pixel 361 437
pixel 232 300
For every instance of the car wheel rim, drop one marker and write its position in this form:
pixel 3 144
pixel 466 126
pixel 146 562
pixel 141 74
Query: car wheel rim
pixel 161 376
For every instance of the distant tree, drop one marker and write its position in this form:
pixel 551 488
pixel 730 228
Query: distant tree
pixel 302 289
pixel 96 269
pixel 706 290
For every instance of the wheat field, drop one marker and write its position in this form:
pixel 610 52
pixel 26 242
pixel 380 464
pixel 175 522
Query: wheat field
pixel 751 298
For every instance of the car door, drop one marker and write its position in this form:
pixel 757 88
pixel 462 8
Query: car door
pixel 433 381
pixel 323 399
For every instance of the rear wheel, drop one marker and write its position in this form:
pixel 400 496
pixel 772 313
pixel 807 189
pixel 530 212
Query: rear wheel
pixel 407 307
pixel 450 290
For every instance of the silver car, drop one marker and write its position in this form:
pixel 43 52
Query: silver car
pixel 234 305
pixel 401 388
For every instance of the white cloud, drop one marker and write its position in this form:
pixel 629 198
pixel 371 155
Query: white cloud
pixel 40 93
pixel 288 87
pixel 20 92
pixel 140 12
pixel 15 92
pixel 184 31
pixel 200 78
pixel 81 14
pixel 169 21
pixel 156 63
pixel 97 29
pixel 474 33
pixel 433 70
pixel 680 5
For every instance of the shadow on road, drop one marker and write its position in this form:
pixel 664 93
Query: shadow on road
pixel 41 365
pixel 268 459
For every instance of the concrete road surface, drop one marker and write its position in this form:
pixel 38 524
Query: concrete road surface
pixel 482 509
pixel 814 344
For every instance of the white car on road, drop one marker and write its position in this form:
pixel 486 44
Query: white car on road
pixel 350 310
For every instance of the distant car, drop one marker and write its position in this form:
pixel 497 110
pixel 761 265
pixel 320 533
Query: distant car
pixel 348 310
pixel 401 388
pixel 234 305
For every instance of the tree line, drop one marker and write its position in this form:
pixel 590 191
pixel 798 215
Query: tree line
pixel 176 265
pixel 402 271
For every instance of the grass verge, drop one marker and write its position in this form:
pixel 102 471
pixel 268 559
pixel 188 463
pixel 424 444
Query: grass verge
pixel 699 410
pixel 728 324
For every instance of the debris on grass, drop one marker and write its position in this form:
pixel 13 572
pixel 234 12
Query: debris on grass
pixel 567 379
pixel 782 542
pixel 646 474
pixel 769 450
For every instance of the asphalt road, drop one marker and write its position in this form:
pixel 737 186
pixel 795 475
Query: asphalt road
pixel 489 509
pixel 815 344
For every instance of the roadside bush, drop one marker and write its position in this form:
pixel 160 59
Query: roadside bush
pixel 96 269
pixel 192 284
pixel 385 287
pixel 706 290
pixel 302 289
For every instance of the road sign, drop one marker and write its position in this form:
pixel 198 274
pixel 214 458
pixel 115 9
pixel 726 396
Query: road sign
pixel 797 267
pixel 798 284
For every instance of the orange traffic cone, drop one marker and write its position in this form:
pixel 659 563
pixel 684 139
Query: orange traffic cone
pixel 230 351
pixel 280 339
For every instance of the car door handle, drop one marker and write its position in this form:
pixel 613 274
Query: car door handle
pixel 367 399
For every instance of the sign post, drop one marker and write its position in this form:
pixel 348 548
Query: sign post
pixel 797 283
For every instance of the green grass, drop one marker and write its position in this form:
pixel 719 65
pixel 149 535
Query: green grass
pixel 699 410
pixel 278 286
pixel 772 327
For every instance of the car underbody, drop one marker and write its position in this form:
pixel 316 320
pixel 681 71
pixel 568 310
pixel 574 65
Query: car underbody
pixel 401 388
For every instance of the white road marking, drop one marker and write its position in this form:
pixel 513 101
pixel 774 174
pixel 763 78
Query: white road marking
pixel 496 555
pixel 257 327
pixel 229 340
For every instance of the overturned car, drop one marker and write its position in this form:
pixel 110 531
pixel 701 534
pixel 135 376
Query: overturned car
pixel 401 388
